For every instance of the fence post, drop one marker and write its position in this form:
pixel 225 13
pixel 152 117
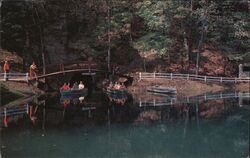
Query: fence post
pixel 5 112
pixel 220 79
pixel 27 108
pixel 205 78
pixel 139 76
pixel 89 67
pixel 171 76
pixel 27 77
pixel 5 76
pixel 235 80
pixel 187 76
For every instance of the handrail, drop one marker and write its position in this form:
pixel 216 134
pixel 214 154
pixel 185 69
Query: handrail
pixel 145 75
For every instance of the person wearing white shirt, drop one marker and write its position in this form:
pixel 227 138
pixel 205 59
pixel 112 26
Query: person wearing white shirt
pixel 81 85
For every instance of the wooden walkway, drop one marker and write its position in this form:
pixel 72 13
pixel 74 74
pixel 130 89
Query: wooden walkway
pixel 196 99
pixel 25 76
pixel 86 72
pixel 54 70
pixel 173 76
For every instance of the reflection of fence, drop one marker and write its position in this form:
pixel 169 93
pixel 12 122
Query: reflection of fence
pixel 14 76
pixel 13 111
pixel 172 76
pixel 195 99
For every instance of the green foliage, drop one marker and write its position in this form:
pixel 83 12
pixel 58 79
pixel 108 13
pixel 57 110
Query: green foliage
pixel 169 26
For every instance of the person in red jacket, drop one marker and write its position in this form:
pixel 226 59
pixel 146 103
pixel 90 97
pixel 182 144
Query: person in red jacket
pixel 6 69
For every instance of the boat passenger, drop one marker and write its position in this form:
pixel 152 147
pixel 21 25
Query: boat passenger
pixel 123 86
pixel 75 86
pixel 111 85
pixel 64 87
pixel 81 85
pixel 68 86
pixel 117 86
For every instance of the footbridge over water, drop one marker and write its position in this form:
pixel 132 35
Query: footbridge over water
pixel 53 70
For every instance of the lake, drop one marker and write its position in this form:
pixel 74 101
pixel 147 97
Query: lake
pixel 104 127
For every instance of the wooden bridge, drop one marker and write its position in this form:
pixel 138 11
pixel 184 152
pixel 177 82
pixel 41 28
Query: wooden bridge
pixel 173 76
pixel 88 68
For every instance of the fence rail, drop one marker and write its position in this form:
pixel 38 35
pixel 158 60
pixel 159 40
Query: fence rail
pixel 14 77
pixel 172 76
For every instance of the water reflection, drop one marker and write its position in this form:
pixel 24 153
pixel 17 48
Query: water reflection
pixel 100 128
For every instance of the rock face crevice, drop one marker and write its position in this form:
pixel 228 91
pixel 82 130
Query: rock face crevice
pixel 244 70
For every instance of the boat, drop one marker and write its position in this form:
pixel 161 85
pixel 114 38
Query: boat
pixel 162 90
pixel 74 93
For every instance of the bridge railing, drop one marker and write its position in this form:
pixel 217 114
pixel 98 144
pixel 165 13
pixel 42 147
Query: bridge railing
pixel 172 76
pixel 14 77
pixel 50 68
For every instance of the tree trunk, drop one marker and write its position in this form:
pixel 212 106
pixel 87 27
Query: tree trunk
pixel 200 48
pixel 186 46
pixel 41 34
pixel 109 38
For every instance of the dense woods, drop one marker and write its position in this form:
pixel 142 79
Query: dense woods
pixel 127 32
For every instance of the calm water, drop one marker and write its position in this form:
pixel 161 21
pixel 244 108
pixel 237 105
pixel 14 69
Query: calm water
pixel 99 129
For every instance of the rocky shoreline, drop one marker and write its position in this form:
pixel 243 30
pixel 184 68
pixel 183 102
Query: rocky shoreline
pixel 16 91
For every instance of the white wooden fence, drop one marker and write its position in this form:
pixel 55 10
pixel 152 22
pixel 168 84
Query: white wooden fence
pixel 172 76
pixel 14 77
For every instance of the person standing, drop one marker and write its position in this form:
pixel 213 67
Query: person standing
pixel 6 69
pixel 32 70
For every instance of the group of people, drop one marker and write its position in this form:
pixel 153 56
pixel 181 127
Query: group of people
pixel 76 86
pixel 117 86
pixel 6 70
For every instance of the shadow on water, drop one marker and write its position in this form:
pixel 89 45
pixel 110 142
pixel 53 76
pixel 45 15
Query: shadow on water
pixel 99 127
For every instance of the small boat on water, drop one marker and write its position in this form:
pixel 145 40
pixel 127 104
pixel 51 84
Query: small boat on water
pixel 73 93
pixel 162 90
